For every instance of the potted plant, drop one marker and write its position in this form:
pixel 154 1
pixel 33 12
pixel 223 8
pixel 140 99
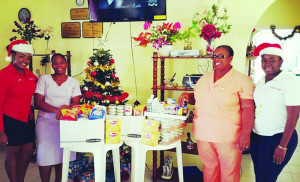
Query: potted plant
pixel 211 25
pixel 160 36
pixel 27 31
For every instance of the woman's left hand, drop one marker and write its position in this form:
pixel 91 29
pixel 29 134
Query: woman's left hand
pixel 279 155
pixel 243 142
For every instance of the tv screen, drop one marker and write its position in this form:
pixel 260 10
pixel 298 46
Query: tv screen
pixel 127 10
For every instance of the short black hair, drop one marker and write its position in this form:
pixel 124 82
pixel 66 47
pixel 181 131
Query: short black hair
pixel 228 48
pixel 59 55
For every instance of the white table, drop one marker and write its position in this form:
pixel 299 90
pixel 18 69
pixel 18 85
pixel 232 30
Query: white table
pixel 139 151
pixel 88 136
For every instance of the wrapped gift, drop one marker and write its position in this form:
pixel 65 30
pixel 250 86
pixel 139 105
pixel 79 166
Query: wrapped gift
pixel 81 163
pixel 87 176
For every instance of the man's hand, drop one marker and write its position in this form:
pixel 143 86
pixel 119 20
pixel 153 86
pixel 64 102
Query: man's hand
pixel 3 139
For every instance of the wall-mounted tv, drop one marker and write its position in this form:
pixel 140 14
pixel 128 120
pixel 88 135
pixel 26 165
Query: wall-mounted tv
pixel 127 10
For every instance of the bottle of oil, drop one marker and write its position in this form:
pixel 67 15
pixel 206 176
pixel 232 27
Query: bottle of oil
pixel 184 108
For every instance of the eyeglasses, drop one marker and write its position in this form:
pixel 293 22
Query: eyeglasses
pixel 220 56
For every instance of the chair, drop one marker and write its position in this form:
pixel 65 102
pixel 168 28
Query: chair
pixel 90 139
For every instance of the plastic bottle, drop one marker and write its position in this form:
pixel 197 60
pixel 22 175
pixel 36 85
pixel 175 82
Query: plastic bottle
pixel 155 105
pixel 184 108
pixel 149 103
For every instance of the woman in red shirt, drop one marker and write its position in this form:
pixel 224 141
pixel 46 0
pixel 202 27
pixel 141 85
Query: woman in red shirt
pixel 17 127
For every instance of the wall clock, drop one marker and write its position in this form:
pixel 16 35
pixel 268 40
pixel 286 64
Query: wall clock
pixel 79 2
pixel 24 15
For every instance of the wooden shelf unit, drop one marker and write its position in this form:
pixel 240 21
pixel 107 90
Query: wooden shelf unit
pixel 161 87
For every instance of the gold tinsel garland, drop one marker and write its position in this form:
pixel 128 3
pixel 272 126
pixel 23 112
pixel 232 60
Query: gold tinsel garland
pixel 103 68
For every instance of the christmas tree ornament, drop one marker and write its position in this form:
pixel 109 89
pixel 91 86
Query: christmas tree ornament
pixel 117 102
pixel 88 63
pixel 96 63
pixel 86 88
pixel 117 78
pixel 113 75
pixel 111 61
pixel 94 73
pixel 107 84
pixel 120 88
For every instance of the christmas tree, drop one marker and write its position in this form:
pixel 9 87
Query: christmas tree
pixel 101 85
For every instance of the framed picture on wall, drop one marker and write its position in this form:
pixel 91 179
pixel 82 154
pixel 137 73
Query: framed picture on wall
pixel 70 30
pixel 92 29
pixel 79 14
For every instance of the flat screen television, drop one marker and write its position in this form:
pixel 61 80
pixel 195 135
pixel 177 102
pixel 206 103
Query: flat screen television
pixel 127 10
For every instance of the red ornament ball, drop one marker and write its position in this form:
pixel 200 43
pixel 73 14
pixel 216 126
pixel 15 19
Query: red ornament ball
pixel 89 62
pixel 94 73
pixel 112 61
pixel 113 75
pixel 117 78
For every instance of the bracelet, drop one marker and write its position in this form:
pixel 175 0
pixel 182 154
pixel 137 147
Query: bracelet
pixel 281 147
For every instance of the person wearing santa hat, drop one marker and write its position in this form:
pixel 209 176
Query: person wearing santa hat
pixel 277 99
pixel 17 126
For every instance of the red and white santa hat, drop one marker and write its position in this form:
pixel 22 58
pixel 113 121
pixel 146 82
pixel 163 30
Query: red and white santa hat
pixel 267 48
pixel 18 46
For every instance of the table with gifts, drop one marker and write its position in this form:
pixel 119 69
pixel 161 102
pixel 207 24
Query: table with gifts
pixel 152 131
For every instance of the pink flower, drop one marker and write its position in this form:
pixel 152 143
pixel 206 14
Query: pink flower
pixel 177 26
pixel 147 25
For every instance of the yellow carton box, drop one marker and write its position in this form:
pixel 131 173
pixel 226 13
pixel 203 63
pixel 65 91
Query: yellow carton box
pixel 113 125
pixel 150 132
pixel 113 137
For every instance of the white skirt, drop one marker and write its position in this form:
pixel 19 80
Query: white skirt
pixel 48 141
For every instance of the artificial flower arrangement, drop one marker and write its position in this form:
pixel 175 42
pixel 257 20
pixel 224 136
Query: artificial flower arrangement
pixel 28 31
pixel 48 32
pixel 158 35
pixel 210 25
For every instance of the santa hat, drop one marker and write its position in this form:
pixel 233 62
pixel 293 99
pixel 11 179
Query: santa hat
pixel 18 46
pixel 267 48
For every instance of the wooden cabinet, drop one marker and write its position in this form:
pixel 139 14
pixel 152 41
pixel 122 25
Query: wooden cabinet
pixel 160 87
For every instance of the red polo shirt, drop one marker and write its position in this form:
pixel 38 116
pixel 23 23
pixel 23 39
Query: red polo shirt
pixel 16 93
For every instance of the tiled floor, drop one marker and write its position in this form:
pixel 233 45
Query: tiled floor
pixel 291 173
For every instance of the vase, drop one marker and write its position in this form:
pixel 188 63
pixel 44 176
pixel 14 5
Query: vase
pixel 210 47
pixel 165 50
pixel 187 45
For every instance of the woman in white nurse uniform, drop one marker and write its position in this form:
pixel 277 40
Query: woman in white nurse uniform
pixel 53 93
